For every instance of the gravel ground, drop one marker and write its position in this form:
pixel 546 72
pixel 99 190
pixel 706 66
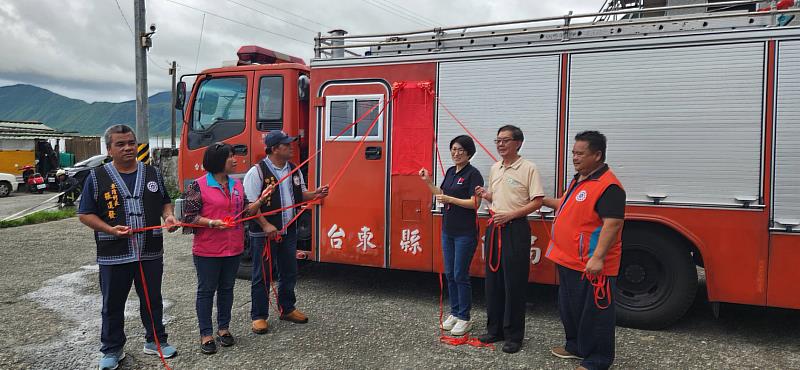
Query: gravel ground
pixel 360 318
pixel 19 201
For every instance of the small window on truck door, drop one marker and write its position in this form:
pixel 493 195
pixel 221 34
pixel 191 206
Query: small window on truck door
pixel 344 110
pixel 218 112
pixel 270 103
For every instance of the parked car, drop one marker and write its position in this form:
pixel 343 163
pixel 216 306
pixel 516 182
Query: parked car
pixel 79 171
pixel 8 183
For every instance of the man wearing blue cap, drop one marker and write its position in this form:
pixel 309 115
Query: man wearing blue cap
pixel 291 191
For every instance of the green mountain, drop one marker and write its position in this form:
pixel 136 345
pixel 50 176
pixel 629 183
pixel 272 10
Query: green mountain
pixel 31 103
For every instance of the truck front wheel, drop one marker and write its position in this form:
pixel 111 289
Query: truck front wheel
pixel 657 281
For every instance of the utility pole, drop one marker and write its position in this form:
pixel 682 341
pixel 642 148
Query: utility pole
pixel 174 72
pixel 143 43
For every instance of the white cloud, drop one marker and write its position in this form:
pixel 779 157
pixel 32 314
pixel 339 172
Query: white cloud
pixel 84 49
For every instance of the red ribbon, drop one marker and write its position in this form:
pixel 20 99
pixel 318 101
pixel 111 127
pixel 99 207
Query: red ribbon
pixel 150 309
pixel 495 268
pixel 456 341
pixel 266 258
pixel 602 289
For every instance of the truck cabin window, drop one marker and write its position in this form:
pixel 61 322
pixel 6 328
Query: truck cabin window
pixel 219 101
pixel 270 103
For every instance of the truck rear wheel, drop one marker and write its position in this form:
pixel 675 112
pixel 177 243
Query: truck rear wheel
pixel 657 280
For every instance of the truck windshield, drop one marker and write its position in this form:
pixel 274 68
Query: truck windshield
pixel 219 100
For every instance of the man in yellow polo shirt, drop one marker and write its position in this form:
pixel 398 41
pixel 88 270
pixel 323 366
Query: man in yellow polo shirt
pixel 515 190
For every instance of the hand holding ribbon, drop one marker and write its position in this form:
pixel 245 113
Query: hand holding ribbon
pixel 171 223
pixel 321 192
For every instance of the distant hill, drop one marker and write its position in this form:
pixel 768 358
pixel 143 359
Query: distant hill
pixel 31 103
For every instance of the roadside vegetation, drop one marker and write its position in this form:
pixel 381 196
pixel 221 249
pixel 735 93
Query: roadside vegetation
pixel 40 217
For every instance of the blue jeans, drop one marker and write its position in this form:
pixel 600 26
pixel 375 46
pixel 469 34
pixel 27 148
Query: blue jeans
pixel 284 264
pixel 458 251
pixel 115 284
pixel 215 275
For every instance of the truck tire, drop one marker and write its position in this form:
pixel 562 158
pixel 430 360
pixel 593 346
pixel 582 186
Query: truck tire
pixel 5 189
pixel 657 281
pixel 245 263
pixel 245 269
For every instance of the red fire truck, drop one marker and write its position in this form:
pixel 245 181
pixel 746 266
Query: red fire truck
pixel 699 104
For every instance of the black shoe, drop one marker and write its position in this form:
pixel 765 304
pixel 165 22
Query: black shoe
pixel 226 340
pixel 209 347
pixel 488 338
pixel 511 347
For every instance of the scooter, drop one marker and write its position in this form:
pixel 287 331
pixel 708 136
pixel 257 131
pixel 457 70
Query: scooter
pixel 33 180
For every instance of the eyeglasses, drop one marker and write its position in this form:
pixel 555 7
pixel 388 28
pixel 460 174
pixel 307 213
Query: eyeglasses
pixel 457 150
pixel 503 141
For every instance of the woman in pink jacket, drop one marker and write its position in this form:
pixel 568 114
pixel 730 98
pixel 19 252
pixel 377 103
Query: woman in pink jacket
pixel 212 201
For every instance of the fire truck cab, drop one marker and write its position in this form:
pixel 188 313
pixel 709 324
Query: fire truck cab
pixel 698 101
pixel 240 104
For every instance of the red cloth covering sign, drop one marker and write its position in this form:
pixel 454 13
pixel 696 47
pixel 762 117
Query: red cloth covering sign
pixel 412 127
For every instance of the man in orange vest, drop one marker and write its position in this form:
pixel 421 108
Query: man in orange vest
pixel 586 244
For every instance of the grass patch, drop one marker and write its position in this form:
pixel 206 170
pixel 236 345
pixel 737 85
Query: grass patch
pixel 39 217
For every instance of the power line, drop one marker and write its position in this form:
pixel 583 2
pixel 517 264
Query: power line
pixel 273 17
pixel 394 12
pixel 123 16
pixel 239 23
pixel 156 64
pixel 200 42
pixel 121 13
pixel 408 11
pixel 401 15
pixel 296 15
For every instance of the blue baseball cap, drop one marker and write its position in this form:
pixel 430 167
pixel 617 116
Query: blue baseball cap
pixel 274 138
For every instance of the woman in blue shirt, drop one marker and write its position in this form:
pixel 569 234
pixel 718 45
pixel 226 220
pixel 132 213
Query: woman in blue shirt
pixel 459 231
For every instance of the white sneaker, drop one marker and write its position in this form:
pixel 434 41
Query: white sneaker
pixel 448 324
pixel 461 327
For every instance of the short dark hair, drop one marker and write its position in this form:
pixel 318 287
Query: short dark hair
pixel 215 157
pixel 116 129
pixel 596 141
pixel 516 132
pixel 466 143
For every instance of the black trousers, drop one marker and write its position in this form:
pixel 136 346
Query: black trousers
pixel 115 284
pixel 506 288
pixel 589 329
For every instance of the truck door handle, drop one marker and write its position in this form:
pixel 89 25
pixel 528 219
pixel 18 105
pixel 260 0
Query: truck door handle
pixel 240 149
pixel 373 153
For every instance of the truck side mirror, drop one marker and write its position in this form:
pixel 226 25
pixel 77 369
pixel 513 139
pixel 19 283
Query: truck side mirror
pixel 303 82
pixel 180 95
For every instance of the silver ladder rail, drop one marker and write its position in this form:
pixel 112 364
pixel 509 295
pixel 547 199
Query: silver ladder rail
pixel 438 39
pixel 612 5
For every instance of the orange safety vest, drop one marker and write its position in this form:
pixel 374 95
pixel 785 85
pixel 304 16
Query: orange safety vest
pixel 576 230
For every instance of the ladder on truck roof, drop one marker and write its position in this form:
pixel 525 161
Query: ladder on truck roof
pixel 638 19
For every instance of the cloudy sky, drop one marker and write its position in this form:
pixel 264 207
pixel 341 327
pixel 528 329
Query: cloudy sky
pixel 84 48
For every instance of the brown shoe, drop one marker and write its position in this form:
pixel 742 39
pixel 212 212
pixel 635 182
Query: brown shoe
pixel 260 326
pixel 295 316
pixel 560 352
pixel 581 368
